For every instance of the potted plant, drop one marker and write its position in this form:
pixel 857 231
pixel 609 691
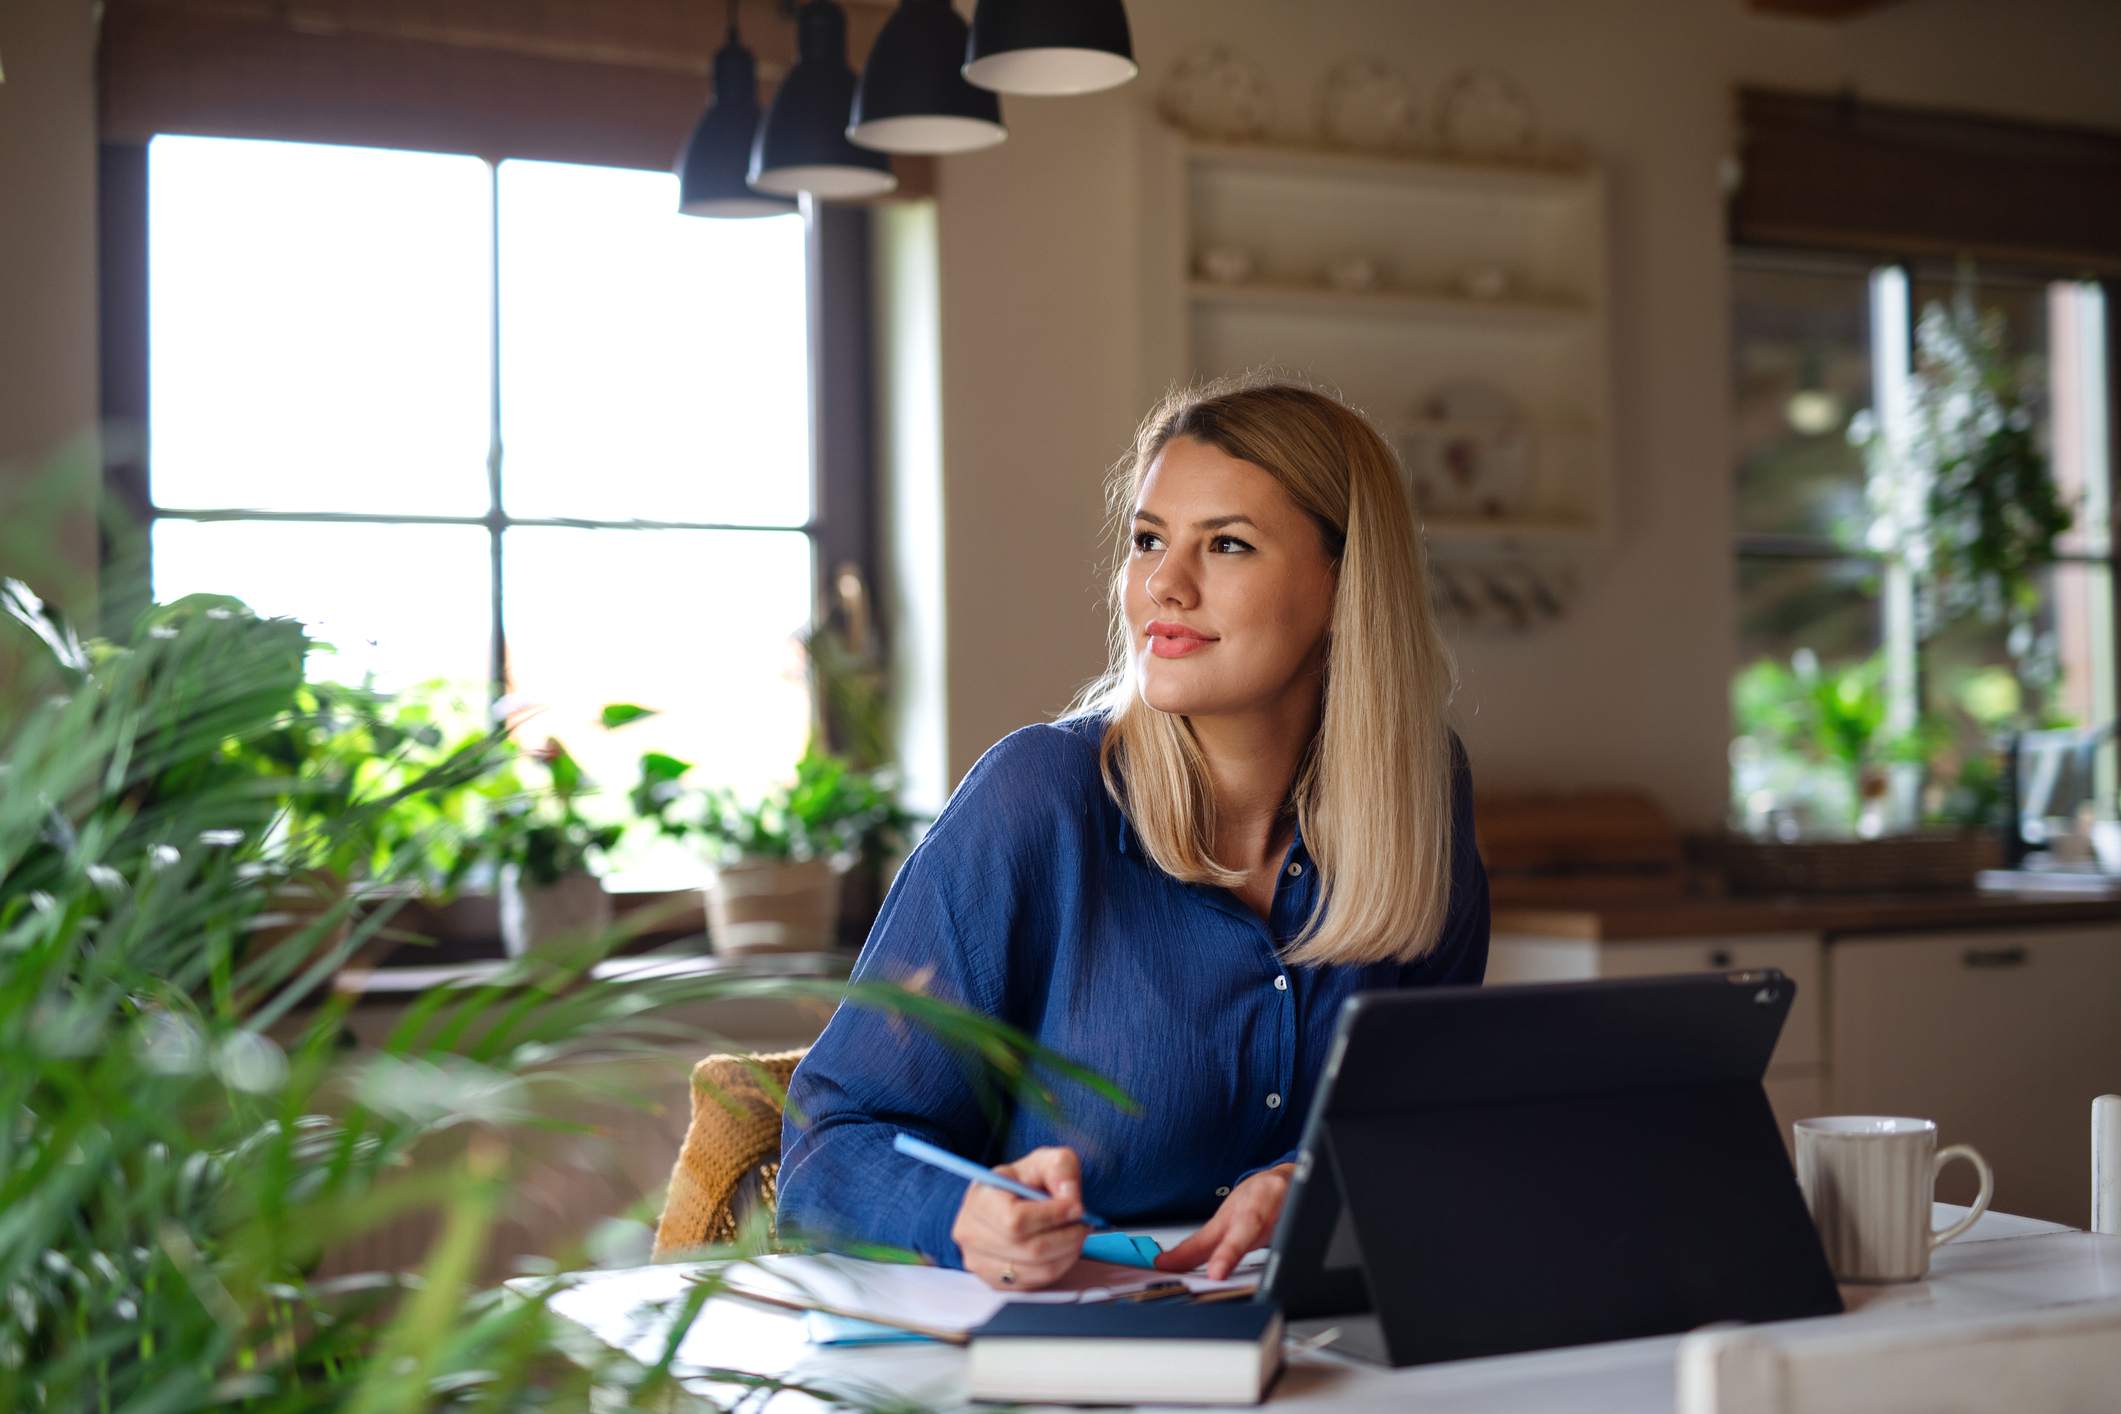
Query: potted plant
pixel 1820 735
pixel 354 755
pixel 550 897
pixel 779 857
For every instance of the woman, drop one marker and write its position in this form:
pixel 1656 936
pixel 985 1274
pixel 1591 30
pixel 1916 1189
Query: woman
pixel 1258 811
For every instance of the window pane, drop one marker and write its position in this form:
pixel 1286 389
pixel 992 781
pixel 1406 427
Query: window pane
pixel 653 366
pixel 1799 621
pixel 320 332
pixel 1827 606
pixel 1801 343
pixel 406 602
pixel 699 625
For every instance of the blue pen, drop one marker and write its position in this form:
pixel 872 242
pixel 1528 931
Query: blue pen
pixel 948 1162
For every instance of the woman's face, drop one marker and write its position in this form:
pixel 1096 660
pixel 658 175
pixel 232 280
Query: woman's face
pixel 1229 587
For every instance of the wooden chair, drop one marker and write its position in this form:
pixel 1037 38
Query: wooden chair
pixel 727 1167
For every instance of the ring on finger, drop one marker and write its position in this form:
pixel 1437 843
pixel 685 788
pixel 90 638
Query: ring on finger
pixel 1009 1274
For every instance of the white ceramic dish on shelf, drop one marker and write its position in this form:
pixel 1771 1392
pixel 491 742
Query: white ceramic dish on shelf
pixel 1367 105
pixel 1216 93
pixel 1482 114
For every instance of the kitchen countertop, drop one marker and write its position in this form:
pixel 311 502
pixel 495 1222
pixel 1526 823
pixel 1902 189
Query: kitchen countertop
pixel 1691 916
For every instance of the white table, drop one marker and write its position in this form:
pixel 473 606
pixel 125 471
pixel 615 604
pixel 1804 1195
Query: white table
pixel 2003 1264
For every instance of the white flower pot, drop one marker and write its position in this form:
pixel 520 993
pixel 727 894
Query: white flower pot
pixel 560 916
pixel 774 905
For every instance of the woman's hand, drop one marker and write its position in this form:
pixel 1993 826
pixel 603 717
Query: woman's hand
pixel 1244 1221
pixel 1014 1244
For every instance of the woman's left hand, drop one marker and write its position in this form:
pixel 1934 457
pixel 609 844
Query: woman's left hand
pixel 1244 1221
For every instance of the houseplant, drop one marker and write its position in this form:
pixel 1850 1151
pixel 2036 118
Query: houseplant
pixel 193 1128
pixel 778 856
pixel 550 895
pixel 1821 733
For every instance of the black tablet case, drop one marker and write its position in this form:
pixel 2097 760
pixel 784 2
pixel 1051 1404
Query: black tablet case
pixel 1491 1170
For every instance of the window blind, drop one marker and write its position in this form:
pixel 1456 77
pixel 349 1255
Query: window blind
pixel 1844 174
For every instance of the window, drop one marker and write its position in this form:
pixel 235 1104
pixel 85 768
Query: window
pixel 1833 661
pixel 519 427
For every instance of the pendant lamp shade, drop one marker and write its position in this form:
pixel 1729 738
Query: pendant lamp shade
pixel 913 96
pixel 802 145
pixel 1050 47
pixel 713 167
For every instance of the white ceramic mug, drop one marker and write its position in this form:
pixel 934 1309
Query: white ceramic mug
pixel 1869 1180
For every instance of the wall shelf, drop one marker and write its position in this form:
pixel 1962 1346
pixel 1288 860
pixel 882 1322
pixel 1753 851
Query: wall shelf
pixel 1426 225
pixel 1431 173
pixel 1393 304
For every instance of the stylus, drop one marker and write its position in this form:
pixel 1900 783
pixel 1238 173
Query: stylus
pixel 948 1162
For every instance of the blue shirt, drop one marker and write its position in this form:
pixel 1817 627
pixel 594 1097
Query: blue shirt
pixel 1029 900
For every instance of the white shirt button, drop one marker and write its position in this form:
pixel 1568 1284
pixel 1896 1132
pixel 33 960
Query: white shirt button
pixel 1295 869
pixel 1281 983
pixel 1273 1102
pixel 1223 1192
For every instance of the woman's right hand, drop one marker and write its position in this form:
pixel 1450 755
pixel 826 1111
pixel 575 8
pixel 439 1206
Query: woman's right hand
pixel 1015 1244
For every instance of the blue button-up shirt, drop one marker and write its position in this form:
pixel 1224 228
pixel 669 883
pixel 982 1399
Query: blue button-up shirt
pixel 1029 901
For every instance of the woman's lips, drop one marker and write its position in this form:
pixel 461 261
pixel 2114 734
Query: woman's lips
pixel 1177 642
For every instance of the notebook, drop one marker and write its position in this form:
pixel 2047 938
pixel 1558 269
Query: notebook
pixel 940 1301
pixel 1163 1353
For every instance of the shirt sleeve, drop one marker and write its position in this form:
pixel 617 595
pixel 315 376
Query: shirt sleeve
pixel 945 929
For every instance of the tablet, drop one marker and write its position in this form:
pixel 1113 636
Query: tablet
pixel 1487 1170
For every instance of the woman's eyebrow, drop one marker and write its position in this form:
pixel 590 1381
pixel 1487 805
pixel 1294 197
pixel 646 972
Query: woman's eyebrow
pixel 1211 523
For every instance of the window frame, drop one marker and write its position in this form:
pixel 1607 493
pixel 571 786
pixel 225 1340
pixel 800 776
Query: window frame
pixel 841 526
pixel 1907 678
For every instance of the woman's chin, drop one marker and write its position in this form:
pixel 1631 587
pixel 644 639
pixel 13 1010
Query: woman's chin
pixel 1180 699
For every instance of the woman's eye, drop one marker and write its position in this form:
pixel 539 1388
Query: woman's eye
pixel 1144 540
pixel 1223 540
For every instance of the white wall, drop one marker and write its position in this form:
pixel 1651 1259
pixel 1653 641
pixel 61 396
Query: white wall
pixel 48 393
pixel 1043 379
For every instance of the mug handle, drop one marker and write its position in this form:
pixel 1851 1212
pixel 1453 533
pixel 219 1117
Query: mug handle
pixel 1988 1189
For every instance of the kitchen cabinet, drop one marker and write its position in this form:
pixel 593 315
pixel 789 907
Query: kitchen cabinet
pixel 2003 1036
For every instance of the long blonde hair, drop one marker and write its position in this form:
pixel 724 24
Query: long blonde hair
pixel 1372 794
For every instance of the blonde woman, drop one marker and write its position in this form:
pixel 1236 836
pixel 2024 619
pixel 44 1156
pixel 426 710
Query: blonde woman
pixel 1258 811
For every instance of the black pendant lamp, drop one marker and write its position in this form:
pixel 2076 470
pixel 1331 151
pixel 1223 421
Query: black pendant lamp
pixel 913 96
pixel 1050 47
pixel 802 145
pixel 716 160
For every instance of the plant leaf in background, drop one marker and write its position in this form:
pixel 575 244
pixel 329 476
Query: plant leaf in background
pixel 1965 497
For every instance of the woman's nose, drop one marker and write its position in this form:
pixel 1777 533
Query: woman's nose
pixel 1171 582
